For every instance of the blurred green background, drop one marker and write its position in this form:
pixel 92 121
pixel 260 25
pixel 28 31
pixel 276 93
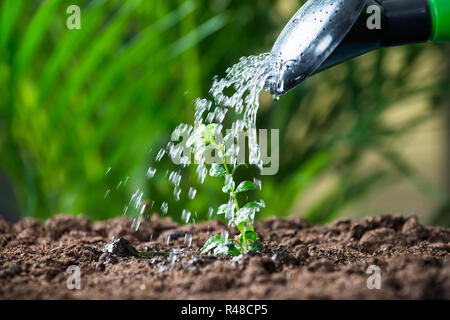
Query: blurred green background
pixel 84 112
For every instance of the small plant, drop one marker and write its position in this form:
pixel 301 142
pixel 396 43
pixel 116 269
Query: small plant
pixel 240 216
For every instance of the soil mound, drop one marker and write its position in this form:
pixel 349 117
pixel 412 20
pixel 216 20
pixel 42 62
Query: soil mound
pixel 300 261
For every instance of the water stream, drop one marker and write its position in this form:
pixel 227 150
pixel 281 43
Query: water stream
pixel 246 79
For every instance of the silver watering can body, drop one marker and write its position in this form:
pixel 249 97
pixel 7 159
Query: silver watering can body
pixel 323 33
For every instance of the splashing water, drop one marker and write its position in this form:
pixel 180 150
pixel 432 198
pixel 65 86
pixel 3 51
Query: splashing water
pixel 164 208
pixel 192 193
pixel 150 172
pixel 188 239
pixel 185 215
pixel 246 79
pixel 249 76
pixel 167 238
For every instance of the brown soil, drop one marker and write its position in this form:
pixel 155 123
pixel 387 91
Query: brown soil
pixel 300 261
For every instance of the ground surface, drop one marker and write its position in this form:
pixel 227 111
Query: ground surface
pixel 300 261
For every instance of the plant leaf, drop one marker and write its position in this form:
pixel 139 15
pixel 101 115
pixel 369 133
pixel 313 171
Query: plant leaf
pixel 217 170
pixel 244 214
pixel 212 243
pixel 232 250
pixel 241 225
pixel 237 166
pixel 222 208
pixel 245 186
pixel 209 132
pixel 220 246
pixel 227 248
pixel 257 246
pixel 227 188
pixel 255 204
pixel 251 235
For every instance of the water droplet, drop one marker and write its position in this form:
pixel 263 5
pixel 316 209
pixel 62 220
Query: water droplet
pixel 176 193
pixel 224 236
pixel 210 212
pixel 191 193
pixel 244 81
pixel 172 257
pixel 185 215
pixel 160 154
pixel 135 224
pixel 257 183
pixel 164 208
pixel 187 240
pixel 136 198
pixel 150 172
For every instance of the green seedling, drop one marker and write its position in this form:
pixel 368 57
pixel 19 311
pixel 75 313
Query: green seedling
pixel 240 216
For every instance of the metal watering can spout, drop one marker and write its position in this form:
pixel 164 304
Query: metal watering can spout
pixel 324 33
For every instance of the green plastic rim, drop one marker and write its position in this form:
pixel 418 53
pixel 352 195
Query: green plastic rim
pixel 440 16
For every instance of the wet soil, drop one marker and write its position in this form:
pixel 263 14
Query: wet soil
pixel 300 261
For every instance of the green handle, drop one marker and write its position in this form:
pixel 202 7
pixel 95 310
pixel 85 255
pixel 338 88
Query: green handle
pixel 440 16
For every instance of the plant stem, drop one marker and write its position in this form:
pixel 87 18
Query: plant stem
pixel 244 238
pixel 233 194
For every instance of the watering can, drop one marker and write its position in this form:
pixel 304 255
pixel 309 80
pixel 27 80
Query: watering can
pixel 324 33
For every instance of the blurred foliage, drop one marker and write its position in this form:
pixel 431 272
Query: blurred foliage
pixel 83 112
